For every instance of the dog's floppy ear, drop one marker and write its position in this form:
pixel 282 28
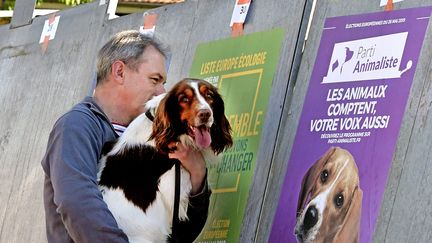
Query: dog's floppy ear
pixel 350 227
pixel 310 178
pixel 163 125
pixel 221 130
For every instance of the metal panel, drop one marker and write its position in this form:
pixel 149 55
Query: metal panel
pixel 406 204
pixel 198 22
pixel 36 88
pixel 23 13
pixel 181 26
pixel 291 16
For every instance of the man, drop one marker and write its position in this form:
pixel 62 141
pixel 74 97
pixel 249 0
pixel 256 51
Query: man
pixel 130 71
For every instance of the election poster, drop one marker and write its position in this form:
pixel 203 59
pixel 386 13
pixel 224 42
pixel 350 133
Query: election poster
pixel 242 69
pixel 349 125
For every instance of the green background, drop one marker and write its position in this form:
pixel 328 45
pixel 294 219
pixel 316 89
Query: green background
pixel 246 92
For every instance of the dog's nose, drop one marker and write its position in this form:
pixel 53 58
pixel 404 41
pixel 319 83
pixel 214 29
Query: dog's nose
pixel 204 115
pixel 311 218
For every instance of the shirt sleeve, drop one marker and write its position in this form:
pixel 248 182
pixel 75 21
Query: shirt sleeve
pixel 197 213
pixel 73 152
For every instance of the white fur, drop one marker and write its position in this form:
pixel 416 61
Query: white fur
pixel 153 103
pixel 202 105
pixel 155 224
pixel 139 130
pixel 137 133
pixel 101 165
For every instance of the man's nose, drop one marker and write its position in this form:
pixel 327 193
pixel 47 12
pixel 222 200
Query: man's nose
pixel 160 89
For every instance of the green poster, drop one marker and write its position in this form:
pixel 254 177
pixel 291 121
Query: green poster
pixel 242 68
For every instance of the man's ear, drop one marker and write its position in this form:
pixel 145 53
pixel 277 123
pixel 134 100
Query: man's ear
pixel 118 71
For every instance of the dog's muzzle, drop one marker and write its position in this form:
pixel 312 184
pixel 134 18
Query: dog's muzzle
pixel 310 219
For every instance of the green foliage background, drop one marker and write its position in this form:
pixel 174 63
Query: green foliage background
pixel 9 4
pixel 70 2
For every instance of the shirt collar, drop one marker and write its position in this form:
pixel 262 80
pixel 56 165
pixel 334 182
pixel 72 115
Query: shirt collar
pixel 94 107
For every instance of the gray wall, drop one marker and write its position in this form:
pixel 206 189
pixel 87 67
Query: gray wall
pixel 37 87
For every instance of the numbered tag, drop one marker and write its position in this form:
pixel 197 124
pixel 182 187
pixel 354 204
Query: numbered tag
pixel 49 29
pixel 384 2
pixel 149 24
pixel 240 11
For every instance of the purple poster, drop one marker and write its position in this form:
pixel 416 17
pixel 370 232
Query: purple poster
pixel 349 125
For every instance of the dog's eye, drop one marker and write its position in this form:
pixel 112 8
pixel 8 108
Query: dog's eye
pixel 339 200
pixel 183 99
pixel 209 95
pixel 324 176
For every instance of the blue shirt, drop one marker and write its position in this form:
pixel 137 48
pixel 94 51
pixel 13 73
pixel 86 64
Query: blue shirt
pixel 74 208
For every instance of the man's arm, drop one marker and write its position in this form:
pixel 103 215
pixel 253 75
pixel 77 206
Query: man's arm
pixel 197 212
pixel 199 200
pixel 71 165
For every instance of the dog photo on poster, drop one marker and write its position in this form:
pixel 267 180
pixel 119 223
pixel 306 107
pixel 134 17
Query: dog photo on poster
pixel 349 125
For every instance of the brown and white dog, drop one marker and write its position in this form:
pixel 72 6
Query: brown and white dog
pixel 329 204
pixel 136 177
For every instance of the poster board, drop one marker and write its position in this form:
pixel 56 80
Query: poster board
pixel 242 68
pixel 355 101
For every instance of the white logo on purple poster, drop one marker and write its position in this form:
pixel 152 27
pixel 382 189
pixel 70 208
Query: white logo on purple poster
pixel 368 59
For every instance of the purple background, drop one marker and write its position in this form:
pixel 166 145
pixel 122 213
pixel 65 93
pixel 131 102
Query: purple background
pixel 373 154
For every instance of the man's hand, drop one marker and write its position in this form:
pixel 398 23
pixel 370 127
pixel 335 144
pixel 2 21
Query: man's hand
pixel 193 161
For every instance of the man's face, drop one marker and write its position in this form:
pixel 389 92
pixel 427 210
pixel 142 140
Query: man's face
pixel 148 81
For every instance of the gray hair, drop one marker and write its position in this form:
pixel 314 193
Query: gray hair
pixel 126 46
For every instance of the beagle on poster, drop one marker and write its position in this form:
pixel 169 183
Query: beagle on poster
pixel 329 203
